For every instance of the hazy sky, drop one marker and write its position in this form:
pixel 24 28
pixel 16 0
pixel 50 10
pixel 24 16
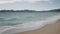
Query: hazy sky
pixel 29 4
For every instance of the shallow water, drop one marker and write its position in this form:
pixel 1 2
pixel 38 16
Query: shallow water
pixel 12 22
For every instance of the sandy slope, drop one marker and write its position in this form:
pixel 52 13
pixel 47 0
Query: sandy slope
pixel 48 29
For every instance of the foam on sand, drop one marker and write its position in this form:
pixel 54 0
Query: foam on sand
pixel 48 29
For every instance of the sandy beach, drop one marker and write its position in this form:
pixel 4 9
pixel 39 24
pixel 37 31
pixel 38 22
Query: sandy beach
pixel 48 29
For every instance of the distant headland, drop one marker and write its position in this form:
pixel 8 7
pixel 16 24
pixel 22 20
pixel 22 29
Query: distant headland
pixel 54 10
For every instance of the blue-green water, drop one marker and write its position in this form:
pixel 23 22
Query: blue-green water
pixel 13 18
pixel 27 19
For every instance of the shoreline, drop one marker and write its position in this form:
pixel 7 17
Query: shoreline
pixel 48 29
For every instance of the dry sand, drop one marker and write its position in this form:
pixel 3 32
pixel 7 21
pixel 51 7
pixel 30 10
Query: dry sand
pixel 48 29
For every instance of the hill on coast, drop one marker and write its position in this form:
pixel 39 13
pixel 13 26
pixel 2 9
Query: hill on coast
pixel 54 10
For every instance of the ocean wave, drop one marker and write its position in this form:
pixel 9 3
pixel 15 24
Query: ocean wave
pixel 9 21
pixel 31 25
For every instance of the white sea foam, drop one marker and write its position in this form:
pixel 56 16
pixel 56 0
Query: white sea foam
pixel 32 25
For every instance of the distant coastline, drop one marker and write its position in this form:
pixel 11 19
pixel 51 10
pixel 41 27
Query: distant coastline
pixel 54 10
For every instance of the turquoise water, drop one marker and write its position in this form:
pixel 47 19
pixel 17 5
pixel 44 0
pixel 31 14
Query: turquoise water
pixel 13 22
pixel 13 18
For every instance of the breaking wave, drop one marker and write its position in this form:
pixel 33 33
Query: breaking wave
pixel 31 25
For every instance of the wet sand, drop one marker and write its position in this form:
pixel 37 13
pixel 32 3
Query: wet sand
pixel 48 29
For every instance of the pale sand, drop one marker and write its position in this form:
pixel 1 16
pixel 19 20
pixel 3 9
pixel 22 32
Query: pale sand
pixel 48 29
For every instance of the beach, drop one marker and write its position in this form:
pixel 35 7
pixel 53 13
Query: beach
pixel 48 29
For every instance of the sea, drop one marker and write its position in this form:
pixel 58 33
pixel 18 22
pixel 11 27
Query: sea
pixel 14 22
